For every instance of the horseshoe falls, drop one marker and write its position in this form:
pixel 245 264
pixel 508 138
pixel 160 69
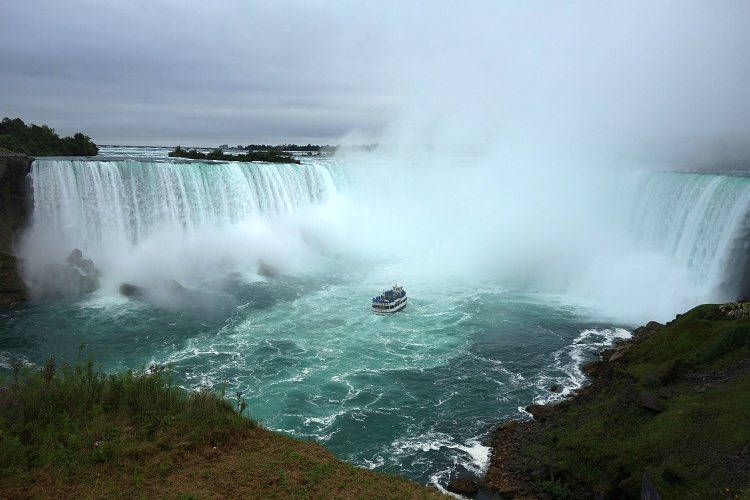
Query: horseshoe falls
pixel 516 278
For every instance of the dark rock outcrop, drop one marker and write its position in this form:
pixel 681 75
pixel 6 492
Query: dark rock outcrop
pixel 15 206
pixel 463 486
pixel 647 330
pixel 64 280
pixel 540 412
pixel 267 271
pixel 14 215
pixel 159 290
pixel 12 287
pixel 129 290
pixel 650 401
pixel 75 257
pixel 505 474
pixel 73 278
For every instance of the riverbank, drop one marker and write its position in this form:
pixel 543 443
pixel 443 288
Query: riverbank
pixel 665 413
pixel 73 431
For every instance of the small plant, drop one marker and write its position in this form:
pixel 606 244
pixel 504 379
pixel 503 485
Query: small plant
pixel 555 489
pixel 17 367
pixel 100 453
pixel 317 472
pixel 48 371
pixel 241 403
pixel 163 469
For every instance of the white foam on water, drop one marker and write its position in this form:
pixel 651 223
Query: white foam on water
pixel 471 455
pixel 8 358
pixel 568 363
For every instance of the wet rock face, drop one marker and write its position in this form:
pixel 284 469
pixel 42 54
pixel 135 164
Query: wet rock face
pixel 14 215
pixel 167 286
pixel 73 278
pixel 463 486
pixel 650 401
pixel 14 201
pixel 540 412
pixel 130 290
pixel 12 288
pixel 267 271
pixel 75 257
pixel 64 280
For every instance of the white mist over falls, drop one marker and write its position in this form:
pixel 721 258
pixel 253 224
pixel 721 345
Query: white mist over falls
pixel 631 245
pixel 517 275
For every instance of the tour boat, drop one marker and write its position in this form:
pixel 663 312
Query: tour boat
pixel 390 301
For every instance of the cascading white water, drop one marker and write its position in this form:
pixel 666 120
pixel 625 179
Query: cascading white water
pixel 680 244
pixel 169 219
pixel 90 201
pixel 697 219
pixel 636 244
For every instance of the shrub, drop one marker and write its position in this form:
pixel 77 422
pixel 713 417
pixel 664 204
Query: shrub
pixel 733 338
pixel 77 414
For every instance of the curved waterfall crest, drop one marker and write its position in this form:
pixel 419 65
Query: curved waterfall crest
pixel 683 234
pixel 702 221
pixel 91 200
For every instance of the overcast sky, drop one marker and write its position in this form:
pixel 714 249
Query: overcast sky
pixel 161 72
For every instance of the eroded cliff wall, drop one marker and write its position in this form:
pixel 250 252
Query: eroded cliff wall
pixel 15 205
pixel 15 209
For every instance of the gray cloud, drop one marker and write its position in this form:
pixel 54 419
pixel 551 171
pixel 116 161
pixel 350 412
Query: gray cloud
pixel 204 73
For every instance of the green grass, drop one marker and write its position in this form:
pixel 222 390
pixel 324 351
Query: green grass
pixel 604 445
pixel 73 431
pixel 77 415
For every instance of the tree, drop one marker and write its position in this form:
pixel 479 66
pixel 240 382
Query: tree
pixel 36 140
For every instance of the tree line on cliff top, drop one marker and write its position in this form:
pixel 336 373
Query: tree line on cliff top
pixel 41 140
pixel 273 156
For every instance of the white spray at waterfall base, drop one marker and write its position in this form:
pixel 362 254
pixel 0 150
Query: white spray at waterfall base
pixel 144 222
pixel 578 231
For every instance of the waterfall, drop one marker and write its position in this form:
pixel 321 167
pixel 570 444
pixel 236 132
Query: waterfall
pixel 650 243
pixel 700 220
pixel 172 219
pixel 91 201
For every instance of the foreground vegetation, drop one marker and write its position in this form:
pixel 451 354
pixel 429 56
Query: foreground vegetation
pixel 76 432
pixel 35 140
pixel 671 405
pixel 272 156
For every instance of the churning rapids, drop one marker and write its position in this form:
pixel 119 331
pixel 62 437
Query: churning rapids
pixel 516 277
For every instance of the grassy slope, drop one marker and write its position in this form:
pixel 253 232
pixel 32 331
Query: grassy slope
pixel 254 463
pixel 698 368
pixel 81 433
